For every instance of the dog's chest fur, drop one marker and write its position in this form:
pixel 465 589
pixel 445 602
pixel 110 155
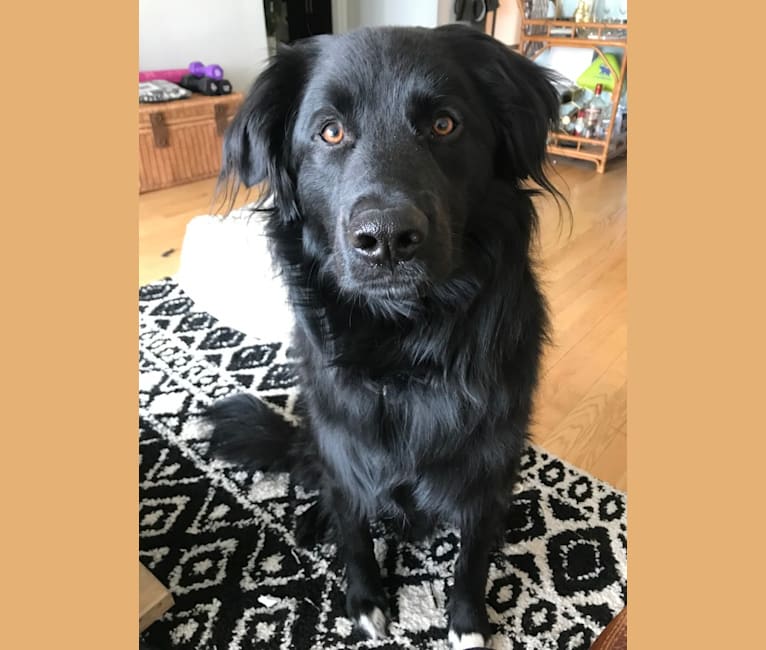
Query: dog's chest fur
pixel 403 445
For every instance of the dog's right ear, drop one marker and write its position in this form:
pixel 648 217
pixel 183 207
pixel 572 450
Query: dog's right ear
pixel 256 143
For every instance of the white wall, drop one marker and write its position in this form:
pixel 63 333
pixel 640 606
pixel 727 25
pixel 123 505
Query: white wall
pixel 445 12
pixel 339 10
pixel 372 13
pixel 231 33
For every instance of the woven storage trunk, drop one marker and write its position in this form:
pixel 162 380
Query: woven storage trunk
pixel 181 141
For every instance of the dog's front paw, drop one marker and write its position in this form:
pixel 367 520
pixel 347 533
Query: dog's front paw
pixel 469 627
pixel 373 622
pixel 366 610
pixel 466 641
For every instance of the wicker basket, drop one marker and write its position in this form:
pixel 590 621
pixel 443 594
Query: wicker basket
pixel 181 141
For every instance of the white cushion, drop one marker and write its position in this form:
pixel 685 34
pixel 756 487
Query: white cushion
pixel 226 269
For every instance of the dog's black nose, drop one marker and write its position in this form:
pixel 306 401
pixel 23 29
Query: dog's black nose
pixel 388 235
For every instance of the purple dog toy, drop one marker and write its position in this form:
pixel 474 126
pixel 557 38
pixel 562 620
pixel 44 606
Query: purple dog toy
pixel 198 69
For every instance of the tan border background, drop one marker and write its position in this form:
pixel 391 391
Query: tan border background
pixel 69 301
pixel 696 330
pixel 69 516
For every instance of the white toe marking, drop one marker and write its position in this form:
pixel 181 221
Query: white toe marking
pixel 374 623
pixel 465 641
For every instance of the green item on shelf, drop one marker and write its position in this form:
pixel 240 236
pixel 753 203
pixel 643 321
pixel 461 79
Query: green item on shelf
pixel 599 72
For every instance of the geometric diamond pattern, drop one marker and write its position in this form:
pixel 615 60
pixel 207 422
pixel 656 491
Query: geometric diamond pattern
pixel 582 560
pixel 157 516
pixel 202 566
pixel 253 356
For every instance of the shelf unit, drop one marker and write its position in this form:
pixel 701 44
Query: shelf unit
pixel 539 35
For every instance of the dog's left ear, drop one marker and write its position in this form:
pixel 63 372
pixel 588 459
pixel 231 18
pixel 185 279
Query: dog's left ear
pixel 523 100
pixel 256 144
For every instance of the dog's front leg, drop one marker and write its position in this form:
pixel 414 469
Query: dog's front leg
pixel 469 626
pixel 365 597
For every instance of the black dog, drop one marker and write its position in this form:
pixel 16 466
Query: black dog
pixel 397 160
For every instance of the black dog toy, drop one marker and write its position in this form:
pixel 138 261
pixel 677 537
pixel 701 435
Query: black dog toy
pixel 206 85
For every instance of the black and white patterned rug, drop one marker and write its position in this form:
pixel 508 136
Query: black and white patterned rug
pixel 222 539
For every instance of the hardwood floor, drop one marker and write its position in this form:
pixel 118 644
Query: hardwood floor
pixel 162 219
pixel 581 406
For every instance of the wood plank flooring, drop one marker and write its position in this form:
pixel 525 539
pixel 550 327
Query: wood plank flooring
pixel 581 406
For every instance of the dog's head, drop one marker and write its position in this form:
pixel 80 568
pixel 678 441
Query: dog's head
pixel 382 143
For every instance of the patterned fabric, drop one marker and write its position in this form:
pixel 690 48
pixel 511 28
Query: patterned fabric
pixel 221 538
pixel 159 90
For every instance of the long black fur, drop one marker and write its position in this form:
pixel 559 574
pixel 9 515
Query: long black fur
pixel 416 380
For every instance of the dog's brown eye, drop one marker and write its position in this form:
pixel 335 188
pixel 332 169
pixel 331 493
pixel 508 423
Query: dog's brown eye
pixel 332 133
pixel 443 125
